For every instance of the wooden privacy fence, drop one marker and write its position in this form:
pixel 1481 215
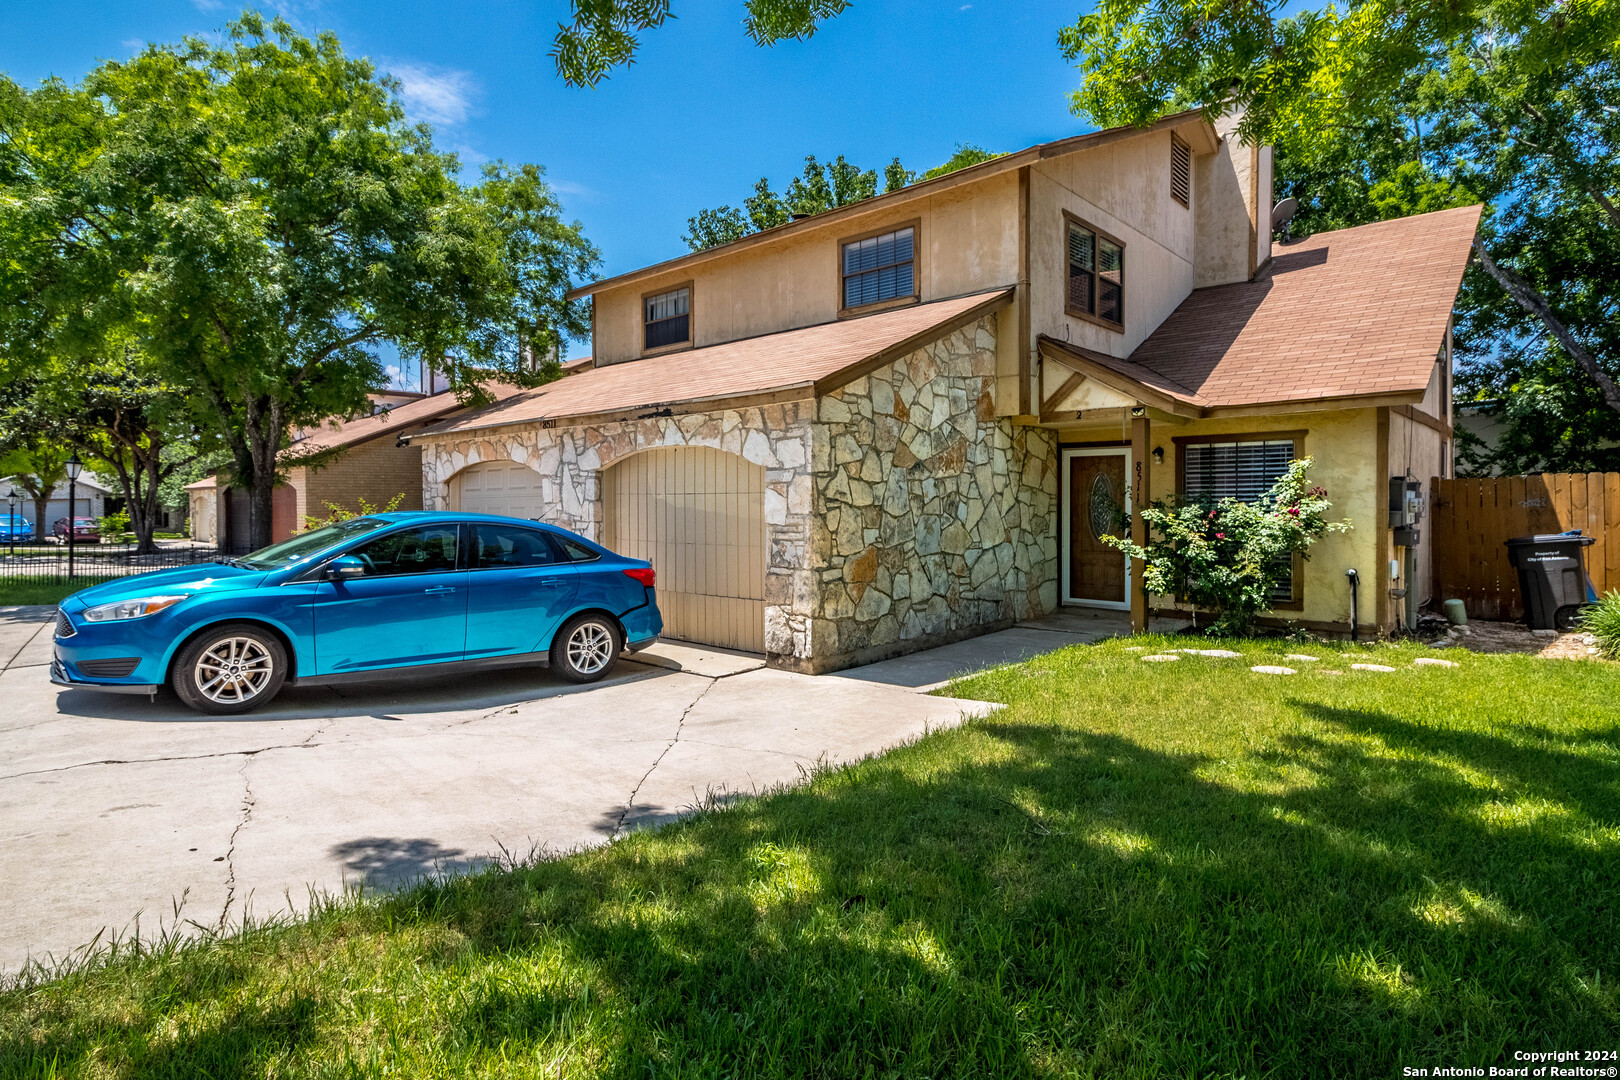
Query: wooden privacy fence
pixel 1472 518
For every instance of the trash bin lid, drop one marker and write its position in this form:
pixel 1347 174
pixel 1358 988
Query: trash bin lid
pixel 1551 538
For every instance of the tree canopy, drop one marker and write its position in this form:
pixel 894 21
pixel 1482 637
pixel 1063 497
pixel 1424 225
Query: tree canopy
pixel 1381 110
pixel 254 217
pixel 822 186
pixel 602 34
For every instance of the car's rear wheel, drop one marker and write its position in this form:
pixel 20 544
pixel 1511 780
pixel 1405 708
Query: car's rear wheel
pixel 230 668
pixel 586 648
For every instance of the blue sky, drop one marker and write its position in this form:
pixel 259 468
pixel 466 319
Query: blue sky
pixel 702 115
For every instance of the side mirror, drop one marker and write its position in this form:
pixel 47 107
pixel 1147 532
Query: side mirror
pixel 345 568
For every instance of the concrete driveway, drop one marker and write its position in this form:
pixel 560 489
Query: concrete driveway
pixel 117 814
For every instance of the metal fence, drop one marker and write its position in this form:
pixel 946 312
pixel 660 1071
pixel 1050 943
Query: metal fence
pixel 88 561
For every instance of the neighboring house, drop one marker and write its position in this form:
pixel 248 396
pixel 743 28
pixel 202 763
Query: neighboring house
pixel 368 458
pixel 92 498
pixel 905 421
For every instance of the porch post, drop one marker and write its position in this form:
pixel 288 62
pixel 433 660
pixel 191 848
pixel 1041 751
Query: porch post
pixel 1140 494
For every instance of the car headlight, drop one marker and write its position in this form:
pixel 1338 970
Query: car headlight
pixel 138 608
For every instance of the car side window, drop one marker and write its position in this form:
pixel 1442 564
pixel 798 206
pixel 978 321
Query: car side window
pixel 429 549
pixel 510 545
pixel 573 550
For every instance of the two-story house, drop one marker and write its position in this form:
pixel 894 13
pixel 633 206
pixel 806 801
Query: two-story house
pixel 907 420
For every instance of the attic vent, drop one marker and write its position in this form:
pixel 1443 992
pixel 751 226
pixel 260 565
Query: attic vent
pixel 1180 170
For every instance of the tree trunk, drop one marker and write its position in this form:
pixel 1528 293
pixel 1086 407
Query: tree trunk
pixel 42 506
pixel 1535 304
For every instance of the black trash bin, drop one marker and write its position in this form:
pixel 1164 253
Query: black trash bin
pixel 1552 577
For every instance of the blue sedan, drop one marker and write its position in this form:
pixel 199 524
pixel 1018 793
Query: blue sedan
pixel 360 599
pixel 15 527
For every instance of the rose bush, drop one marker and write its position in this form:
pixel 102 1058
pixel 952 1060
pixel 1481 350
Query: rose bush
pixel 1226 556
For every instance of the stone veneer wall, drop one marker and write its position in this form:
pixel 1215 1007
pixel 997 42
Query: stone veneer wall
pixel 899 512
pixel 933 520
pixel 570 461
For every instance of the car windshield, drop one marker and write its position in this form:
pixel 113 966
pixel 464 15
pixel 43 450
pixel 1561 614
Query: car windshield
pixel 307 545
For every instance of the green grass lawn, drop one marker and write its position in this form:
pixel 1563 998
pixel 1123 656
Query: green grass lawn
pixel 1134 869
pixel 43 590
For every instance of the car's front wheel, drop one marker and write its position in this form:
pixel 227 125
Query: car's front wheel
pixel 230 668
pixel 585 648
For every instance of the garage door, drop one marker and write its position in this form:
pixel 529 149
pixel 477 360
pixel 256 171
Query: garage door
pixel 698 515
pixel 497 487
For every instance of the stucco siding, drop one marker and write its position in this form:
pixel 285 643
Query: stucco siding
pixel 967 241
pixel 1157 276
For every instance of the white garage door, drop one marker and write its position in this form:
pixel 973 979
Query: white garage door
pixel 698 515
pixel 497 487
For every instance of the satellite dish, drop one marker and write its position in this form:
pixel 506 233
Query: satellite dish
pixel 1284 212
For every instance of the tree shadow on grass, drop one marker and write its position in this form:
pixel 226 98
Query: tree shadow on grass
pixel 1037 899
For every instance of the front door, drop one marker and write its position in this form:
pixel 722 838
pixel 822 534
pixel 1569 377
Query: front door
pixel 1094 493
pixel 410 607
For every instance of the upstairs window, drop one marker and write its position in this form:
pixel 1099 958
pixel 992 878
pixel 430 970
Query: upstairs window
pixel 880 268
pixel 667 319
pixel 1180 171
pixel 1096 276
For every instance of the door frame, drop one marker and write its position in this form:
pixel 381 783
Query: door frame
pixel 1066 516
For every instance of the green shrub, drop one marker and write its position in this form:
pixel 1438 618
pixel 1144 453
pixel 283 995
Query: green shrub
pixel 113 526
pixel 1226 556
pixel 1602 621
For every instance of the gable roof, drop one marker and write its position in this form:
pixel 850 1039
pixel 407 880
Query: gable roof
pixel 1350 313
pixel 812 359
pixel 982 171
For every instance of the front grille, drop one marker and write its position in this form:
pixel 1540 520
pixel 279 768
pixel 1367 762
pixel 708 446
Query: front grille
pixel 64 628
pixel 116 668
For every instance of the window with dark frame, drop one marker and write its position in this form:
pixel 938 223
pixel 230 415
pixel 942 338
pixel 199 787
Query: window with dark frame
pixel 1242 469
pixel 880 268
pixel 667 319
pixel 1180 171
pixel 1096 275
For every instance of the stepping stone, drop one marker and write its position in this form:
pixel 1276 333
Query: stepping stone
pixel 1433 661
pixel 1159 658
pixel 1371 667
pixel 1133 648
pixel 1302 657
pixel 1273 669
pixel 1223 654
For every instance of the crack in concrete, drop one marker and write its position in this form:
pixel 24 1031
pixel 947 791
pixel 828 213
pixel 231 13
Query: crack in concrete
pixel 12 659
pixel 679 724
pixel 305 745
pixel 230 851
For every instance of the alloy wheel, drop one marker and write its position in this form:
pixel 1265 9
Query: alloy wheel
pixel 590 647
pixel 233 670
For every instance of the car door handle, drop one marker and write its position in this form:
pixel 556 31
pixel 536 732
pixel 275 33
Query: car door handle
pixel 439 590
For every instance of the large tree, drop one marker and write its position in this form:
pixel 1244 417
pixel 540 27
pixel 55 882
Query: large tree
pixel 118 416
pixel 257 215
pixel 1382 109
pixel 38 466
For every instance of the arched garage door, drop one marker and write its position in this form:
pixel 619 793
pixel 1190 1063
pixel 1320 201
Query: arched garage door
pixel 698 515
pixel 497 487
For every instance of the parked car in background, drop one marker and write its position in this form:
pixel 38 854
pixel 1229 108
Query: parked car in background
pixel 361 599
pixel 15 527
pixel 85 530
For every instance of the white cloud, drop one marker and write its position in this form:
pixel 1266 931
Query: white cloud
pixel 208 5
pixel 442 97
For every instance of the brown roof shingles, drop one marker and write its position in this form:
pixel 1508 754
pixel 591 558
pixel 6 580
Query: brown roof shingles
pixel 1339 314
pixel 774 362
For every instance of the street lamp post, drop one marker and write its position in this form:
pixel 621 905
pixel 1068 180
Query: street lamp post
pixel 11 518
pixel 74 467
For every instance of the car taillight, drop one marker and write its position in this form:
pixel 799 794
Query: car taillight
pixel 644 574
